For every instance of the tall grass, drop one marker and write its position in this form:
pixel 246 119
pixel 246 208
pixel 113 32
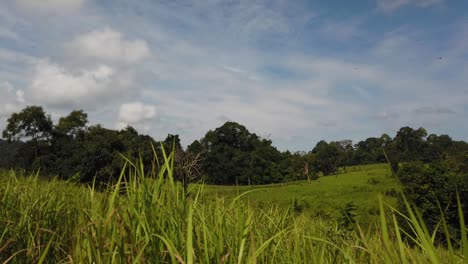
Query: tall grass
pixel 149 220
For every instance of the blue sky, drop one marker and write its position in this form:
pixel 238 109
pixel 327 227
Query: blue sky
pixel 292 71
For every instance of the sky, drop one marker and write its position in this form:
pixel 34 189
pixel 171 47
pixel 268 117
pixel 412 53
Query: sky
pixel 295 72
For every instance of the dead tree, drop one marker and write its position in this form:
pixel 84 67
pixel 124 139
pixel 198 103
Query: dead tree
pixel 188 168
pixel 306 170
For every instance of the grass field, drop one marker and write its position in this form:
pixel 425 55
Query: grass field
pixel 151 221
pixel 327 196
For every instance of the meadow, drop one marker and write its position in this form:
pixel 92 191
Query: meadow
pixel 327 196
pixel 151 220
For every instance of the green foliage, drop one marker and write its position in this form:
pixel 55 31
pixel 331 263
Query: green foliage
pixel 370 150
pixel 410 143
pixel 328 157
pixel 57 222
pixel 228 155
pixel 433 188
pixel 8 153
pixel 299 205
pixel 72 124
pixel 233 155
pixel 31 123
pixel 348 218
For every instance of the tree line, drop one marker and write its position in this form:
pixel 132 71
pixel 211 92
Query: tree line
pixel 227 155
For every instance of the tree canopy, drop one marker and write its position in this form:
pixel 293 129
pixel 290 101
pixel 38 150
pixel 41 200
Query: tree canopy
pixel 229 154
pixel 31 123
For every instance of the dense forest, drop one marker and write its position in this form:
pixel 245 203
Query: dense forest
pixel 433 169
pixel 226 155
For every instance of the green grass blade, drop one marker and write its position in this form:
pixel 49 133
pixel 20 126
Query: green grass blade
pixel 464 237
pixel 189 242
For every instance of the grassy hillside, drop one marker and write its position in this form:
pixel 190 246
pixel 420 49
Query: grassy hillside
pixel 327 196
pixel 150 221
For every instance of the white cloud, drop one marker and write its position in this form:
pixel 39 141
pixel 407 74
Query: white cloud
pixel 108 44
pixel 20 96
pixel 212 65
pixel 392 5
pixel 48 6
pixel 136 113
pixel 9 101
pixel 53 84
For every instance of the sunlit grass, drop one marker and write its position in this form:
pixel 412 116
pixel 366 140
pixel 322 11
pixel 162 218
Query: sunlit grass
pixel 149 220
pixel 361 185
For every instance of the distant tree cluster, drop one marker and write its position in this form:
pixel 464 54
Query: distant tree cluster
pixel 72 149
pixel 233 155
pixel 227 155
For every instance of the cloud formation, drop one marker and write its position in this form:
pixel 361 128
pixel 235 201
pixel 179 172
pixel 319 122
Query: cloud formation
pixel 54 85
pixel 10 101
pixel 136 112
pixel 108 44
pixel 296 70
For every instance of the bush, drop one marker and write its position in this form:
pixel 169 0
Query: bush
pixel 433 189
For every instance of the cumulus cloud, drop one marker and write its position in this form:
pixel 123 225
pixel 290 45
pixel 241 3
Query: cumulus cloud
pixel 48 6
pixel 55 85
pixel 136 113
pixel 210 68
pixel 392 5
pixel 108 44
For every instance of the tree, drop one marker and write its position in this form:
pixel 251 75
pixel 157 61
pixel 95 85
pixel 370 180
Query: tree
pixel 328 157
pixel 346 148
pixel 31 123
pixel 140 147
pixel 370 151
pixel 9 151
pixel 385 140
pixel 73 123
pixel 410 143
pixel 233 155
pixel 187 167
pixel 308 161
pixel 433 188
pixel 98 157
